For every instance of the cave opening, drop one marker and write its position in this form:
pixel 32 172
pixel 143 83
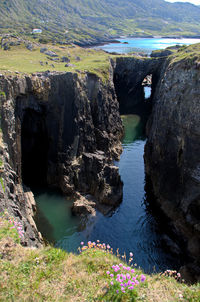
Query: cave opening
pixel 135 94
pixel 147 87
pixel 34 146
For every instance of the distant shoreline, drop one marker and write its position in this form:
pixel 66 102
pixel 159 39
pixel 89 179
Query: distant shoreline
pixel 116 40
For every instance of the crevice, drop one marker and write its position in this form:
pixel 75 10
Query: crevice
pixel 34 144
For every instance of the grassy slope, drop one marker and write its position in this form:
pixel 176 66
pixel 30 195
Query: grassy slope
pixel 90 20
pixel 19 59
pixel 187 53
pixel 50 274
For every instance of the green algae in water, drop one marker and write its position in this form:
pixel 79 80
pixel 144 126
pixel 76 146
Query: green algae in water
pixel 133 128
pixel 54 218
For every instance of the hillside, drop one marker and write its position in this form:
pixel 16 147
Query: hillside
pixel 88 21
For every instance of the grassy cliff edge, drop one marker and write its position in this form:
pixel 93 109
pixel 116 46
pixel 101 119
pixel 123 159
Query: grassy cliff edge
pixel 50 274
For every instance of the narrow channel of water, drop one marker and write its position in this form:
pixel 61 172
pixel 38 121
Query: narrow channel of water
pixel 131 227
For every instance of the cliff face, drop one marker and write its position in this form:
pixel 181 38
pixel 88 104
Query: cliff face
pixel 62 130
pixel 172 152
pixel 15 198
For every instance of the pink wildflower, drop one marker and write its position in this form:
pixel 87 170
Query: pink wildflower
pixel 142 278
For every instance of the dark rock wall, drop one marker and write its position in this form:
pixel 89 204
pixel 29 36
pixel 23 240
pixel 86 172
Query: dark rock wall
pixel 15 198
pixel 173 147
pixel 63 130
pixel 172 152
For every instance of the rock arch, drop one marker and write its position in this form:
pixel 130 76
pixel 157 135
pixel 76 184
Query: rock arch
pixel 129 74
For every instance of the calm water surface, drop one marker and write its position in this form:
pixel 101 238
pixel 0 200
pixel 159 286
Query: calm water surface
pixel 146 45
pixel 131 227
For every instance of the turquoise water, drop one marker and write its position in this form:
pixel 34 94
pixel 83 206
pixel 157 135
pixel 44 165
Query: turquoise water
pixel 131 227
pixel 146 45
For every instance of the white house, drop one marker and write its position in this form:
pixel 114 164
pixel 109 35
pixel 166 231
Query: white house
pixel 36 31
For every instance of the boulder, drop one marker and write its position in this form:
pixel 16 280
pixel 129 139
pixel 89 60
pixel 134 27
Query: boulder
pixel 84 206
pixel 65 60
pixel 50 53
pixel 161 53
pixel 29 46
pixel 69 65
pixel 42 50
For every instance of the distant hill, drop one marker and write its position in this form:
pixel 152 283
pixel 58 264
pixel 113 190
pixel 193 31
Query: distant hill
pixel 87 21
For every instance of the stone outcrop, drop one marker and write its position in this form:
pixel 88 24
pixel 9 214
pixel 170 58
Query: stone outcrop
pixel 129 74
pixel 63 130
pixel 172 154
pixel 161 53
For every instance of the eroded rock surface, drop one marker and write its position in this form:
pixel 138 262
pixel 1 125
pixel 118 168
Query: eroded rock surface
pixel 18 201
pixel 172 152
pixel 63 130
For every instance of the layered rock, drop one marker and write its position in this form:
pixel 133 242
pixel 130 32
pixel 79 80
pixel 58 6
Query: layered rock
pixel 63 130
pixel 172 154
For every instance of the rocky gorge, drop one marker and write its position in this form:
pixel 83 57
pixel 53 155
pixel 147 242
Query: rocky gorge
pixel 64 130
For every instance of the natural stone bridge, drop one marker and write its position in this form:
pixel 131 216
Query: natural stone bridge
pixel 129 73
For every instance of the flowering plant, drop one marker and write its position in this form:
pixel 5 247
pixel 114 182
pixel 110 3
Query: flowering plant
pixel 16 225
pixel 123 278
pixel 13 224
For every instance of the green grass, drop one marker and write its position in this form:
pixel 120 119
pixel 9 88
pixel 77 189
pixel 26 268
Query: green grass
pixel 19 59
pixel 2 184
pixel 50 274
pixel 189 55
pixel 2 93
